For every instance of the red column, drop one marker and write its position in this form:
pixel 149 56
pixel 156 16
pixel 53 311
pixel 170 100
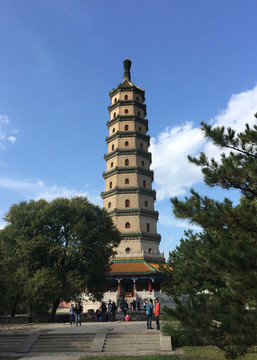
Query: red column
pixel 149 285
pixel 134 289
pixel 118 288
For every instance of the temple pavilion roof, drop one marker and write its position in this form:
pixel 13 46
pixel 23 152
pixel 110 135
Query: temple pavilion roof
pixel 130 267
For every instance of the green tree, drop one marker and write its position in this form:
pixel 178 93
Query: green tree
pixel 217 268
pixel 50 249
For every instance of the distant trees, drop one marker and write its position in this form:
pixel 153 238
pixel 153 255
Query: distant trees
pixel 217 268
pixel 49 250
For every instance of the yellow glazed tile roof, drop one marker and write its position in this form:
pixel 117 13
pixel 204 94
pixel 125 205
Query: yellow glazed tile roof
pixel 157 266
pixel 130 267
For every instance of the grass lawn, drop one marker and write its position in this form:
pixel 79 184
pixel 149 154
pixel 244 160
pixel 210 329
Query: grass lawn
pixel 190 353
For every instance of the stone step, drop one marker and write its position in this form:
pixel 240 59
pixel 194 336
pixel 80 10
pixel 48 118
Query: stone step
pixel 48 343
pixel 118 342
pixel 11 343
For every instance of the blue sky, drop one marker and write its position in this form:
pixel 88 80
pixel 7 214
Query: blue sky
pixel 196 60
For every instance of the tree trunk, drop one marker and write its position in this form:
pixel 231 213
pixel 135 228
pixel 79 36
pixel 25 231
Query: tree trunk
pixel 54 308
pixel 14 307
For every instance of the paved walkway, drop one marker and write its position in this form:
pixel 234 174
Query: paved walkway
pixel 86 328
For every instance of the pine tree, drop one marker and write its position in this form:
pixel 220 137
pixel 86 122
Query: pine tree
pixel 218 267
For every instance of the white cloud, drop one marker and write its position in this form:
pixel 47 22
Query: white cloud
pixel 37 189
pixel 6 132
pixel 167 220
pixel 172 171
pixel 11 139
pixel 174 175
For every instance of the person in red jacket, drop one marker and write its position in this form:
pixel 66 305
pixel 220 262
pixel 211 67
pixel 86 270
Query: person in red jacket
pixel 157 313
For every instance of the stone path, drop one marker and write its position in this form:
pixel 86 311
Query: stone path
pixel 60 341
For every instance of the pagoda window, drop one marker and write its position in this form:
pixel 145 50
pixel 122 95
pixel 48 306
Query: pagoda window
pixel 138 113
pixel 150 251
pixel 111 164
pixel 110 185
pixel 137 98
pixel 127 162
pixel 143 163
pixel 126 111
pixel 144 183
pixel 126 127
pixel 146 203
pixel 126 97
pixel 127 251
pixel 127 203
pixel 126 181
pixel 113 130
pixel 114 115
pixel 109 205
pixel 148 227
pixel 141 146
pixel 126 143
pixel 127 225
pixel 140 129
pixel 115 99
pixel 112 147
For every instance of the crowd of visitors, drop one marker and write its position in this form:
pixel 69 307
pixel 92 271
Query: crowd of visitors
pixel 108 313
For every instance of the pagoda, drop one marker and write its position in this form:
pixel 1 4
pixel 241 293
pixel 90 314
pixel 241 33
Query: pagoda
pixel 128 196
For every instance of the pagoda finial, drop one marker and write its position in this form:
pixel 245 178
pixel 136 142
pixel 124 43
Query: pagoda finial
pixel 127 65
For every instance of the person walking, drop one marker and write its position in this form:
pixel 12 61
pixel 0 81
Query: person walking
pixel 114 309
pixel 110 310
pixel 72 315
pixel 149 312
pixel 78 312
pixel 124 308
pixel 30 314
pixel 157 313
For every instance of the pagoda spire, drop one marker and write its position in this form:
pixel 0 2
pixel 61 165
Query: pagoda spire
pixel 127 65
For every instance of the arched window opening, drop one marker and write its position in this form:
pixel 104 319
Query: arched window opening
pixel 127 251
pixel 126 111
pixel 127 225
pixel 114 115
pixel 141 146
pixel 126 127
pixel 112 147
pixel 143 163
pixel 146 203
pixel 110 185
pixel 148 227
pixel 126 181
pixel 109 205
pixel 144 183
pixel 111 164
pixel 140 128
pixel 126 97
pixel 150 251
pixel 126 143
pixel 127 203
pixel 113 130
pixel 115 99
pixel 137 98
pixel 127 162
pixel 138 113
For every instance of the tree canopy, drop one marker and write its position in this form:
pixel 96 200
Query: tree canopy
pixel 217 267
pixel 49 250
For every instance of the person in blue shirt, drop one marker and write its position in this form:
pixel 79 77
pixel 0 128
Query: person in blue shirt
pixel 149 312
pixel 72 315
